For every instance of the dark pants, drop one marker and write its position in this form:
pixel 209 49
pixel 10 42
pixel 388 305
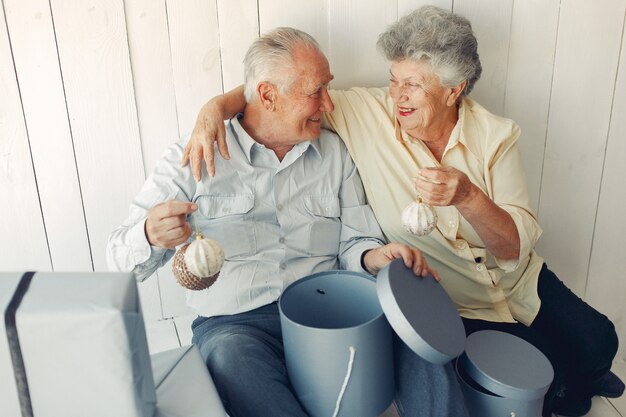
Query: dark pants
pixel 579 341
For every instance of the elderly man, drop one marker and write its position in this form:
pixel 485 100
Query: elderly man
pixel 289 203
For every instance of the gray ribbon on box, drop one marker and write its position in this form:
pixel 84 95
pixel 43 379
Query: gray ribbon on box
pixel 14 344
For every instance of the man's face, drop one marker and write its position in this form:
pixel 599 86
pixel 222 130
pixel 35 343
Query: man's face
pixel 300 108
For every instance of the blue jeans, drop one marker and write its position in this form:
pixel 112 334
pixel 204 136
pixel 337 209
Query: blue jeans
pixel 244 353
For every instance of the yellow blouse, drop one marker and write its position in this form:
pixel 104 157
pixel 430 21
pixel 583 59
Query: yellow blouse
pixel 484 147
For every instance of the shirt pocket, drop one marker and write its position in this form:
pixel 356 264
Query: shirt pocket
pixel 226 219
pixel 325 225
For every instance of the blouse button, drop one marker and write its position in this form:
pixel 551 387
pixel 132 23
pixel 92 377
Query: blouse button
pixel 480 267
pixel 452 223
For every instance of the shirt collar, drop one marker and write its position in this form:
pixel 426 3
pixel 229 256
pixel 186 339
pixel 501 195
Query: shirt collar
pixel 457 136
pixel 315 145
pixel 247 143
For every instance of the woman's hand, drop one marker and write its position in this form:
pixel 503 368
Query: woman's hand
pixel 448 186
pixel 376 259
pixel 209 128
pixel 444 186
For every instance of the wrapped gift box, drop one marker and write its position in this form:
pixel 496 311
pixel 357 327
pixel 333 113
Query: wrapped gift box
pixel 83 343
pixel 183 385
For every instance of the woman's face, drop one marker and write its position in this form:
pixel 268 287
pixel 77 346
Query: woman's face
pixel 420 101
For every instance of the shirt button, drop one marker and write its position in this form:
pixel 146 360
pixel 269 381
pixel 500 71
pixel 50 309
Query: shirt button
pixel 226 210
pixel 279 207
pixel 281 240
pixel 461 245
pixel 452 223
pixel 480 267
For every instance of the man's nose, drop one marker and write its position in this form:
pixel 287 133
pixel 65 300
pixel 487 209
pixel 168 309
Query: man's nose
pixel 327 104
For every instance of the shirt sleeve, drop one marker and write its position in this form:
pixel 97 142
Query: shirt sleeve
pixel 508 187
pixel 354 109
pixel 359 228
pixel 128 249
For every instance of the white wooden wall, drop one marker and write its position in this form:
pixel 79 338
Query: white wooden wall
pixel 91 92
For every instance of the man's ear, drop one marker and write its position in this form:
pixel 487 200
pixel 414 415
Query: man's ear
pixel 266 92
pixel 455 93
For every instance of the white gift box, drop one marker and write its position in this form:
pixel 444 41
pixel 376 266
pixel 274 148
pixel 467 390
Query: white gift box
pixel 83 343
pixel 183 385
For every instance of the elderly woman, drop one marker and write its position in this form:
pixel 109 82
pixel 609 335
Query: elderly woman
pixel 424 135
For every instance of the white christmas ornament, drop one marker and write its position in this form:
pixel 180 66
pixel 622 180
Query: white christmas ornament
pixel 204 257
pixel 419 218
pixel 197 265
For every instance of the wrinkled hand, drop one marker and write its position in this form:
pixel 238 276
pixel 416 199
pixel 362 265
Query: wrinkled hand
pixel 166 225
pixel 378 258
pixel 444 186
pixel 209 128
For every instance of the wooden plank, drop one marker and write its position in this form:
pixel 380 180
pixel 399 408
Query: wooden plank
pixel 161 336
pixel 156 101
pixel 587 54
pixel 619 368
pixel 150 298
pixel 354 59
pixel 41 88
pixel 23 244
pixel 183 328
pixel 93 52
pixel 601 407
pixel 407 6
pixel 491 20
pixel 153 79
pixel 173 298
pixel 529 80
pixel 239 26
pixel 195 46
pixel 309 16
pixel 606 285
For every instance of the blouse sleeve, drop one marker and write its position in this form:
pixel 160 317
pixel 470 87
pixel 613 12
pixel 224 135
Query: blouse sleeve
pixel 506 182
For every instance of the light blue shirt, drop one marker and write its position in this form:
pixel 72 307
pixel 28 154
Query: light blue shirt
pixel 277 221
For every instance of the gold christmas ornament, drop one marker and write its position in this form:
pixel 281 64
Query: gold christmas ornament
pixel 419 218
pixel 197 264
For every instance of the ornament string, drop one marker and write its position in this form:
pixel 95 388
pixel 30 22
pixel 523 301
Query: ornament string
pixel 195 226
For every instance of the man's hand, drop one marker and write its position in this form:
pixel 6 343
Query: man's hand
pixel 375 259
pixel 166 225
pixel 208 129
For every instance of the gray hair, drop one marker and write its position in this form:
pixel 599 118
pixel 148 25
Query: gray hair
pixel 440 37
pixel 270 55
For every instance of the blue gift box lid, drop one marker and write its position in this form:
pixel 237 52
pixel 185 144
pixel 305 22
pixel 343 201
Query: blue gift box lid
pixel 506 365
pixel 421 313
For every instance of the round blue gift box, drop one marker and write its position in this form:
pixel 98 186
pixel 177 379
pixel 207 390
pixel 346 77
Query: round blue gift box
pixel 502 375
pixel 335 334
pixel 339 354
